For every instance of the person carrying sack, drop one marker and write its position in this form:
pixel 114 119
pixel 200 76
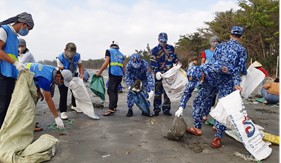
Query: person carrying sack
pixel 9 64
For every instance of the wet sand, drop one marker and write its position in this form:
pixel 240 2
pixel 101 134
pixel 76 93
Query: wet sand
pixel 140 139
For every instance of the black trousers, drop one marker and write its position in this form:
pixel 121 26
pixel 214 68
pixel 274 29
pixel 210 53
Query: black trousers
pixel 112 90
pixel 63 98
pixel 7 86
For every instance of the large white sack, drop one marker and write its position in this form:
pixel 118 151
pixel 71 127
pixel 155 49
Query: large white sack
pixel 220 115
pixel 246 130
pixel 82 97
pixel 250 81
pixel 174 82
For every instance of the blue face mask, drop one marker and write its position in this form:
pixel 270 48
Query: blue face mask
pixel 23 32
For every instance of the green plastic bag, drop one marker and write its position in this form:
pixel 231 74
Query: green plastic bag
pixel 97 86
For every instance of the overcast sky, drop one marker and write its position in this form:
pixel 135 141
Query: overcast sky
pixel 93 24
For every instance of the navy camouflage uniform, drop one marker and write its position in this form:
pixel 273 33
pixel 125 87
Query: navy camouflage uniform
pixel 234 54
pixel 162 59
pixel 194 75
pixel 138 68
pixel 213 76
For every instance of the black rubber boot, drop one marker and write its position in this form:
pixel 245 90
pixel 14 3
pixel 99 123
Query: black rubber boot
pixel 130 113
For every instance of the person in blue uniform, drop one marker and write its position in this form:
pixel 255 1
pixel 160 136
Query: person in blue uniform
pixel 138 68
pixel 232 54
pixel 115 59
pixel 9 64
pixel 206 56
pixel 213 73
pixel 45 77
pixel 162 59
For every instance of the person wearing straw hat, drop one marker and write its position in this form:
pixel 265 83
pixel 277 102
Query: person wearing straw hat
pixel 9 65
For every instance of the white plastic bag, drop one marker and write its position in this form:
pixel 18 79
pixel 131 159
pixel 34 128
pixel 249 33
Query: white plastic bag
pixel 82 97
pixel 174 82
pixel 250 81
pixel 247 131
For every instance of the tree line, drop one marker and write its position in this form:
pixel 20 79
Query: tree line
pixel 260 20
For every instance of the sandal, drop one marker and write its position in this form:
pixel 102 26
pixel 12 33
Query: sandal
pixel 194 131
pixel 37 128
pixel 109 112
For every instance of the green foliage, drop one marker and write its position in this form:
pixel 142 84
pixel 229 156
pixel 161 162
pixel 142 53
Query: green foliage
pixel 260 19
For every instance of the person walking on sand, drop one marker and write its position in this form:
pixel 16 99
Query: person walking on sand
pixel 115 60
pixel 9 65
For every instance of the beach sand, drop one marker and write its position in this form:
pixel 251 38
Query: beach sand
pixel 140 139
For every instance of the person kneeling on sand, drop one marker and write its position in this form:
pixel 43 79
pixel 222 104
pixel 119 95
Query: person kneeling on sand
pixel 45 77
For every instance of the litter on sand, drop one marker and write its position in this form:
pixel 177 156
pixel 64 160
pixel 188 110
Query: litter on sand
pixel 178 129
pixel 67 124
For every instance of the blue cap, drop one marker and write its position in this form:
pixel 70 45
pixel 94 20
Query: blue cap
pixel 135 60
pixel 163 37
pixel 195 72
pixel 237 30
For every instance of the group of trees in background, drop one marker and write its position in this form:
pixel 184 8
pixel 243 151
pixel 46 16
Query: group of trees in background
pixel 260 19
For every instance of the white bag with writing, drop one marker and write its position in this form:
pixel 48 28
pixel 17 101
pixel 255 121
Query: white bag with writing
pixel 174 82
pixel 247 131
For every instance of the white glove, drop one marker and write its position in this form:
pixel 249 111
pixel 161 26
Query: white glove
pixel 19 66
pixel 158 76
pixel 59 123
pixel 179 112
pixel 150 95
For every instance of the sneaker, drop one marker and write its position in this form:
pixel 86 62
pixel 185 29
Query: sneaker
pixel 76 109
pixel 130 113
pixel 95 117
pixel 63 116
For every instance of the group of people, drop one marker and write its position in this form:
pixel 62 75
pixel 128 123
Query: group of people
pixel 219 74
pixel 162 59
pixel 15 57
